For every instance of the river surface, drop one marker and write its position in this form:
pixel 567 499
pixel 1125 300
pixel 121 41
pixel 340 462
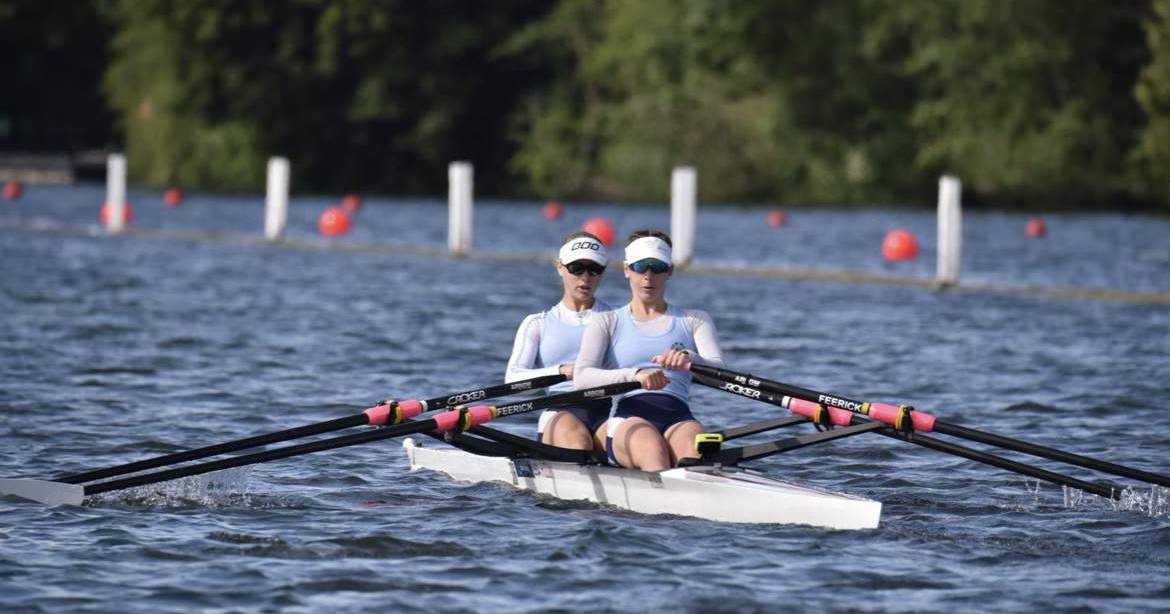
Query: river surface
pixel 115 349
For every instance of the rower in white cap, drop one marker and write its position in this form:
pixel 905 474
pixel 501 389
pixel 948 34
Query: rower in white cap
pixel 547 343
pixel 651 342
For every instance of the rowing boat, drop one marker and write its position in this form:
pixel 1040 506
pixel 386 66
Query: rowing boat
pixel 725 494
pixel 713 486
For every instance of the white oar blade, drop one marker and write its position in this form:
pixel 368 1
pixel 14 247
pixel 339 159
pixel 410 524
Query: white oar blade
pixel 43 491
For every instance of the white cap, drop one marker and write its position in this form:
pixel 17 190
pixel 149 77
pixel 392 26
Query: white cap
pixel 583 248
pixel 648 247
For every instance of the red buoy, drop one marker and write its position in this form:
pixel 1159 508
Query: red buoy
pixel 1035 228
pixel 351 203
pixel 127 214
pixel 777 218
pixel 333 222
pixel 173 197
pixel 600 228
pixel 13 190
pixel 553 210
pixel 900 245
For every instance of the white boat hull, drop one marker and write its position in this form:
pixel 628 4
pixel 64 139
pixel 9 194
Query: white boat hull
pixel 728 494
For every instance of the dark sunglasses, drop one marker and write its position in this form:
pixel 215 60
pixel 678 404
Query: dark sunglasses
pixel 578 267
pixel 649 264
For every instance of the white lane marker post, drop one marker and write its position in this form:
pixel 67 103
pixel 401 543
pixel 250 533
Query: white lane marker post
pixel 950 223
pixel 116 193
pixel 276 199
pixel 683 189
pixel 459 208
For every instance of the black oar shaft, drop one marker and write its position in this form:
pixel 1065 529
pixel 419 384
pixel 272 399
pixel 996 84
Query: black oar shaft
pixel 217 449
pixel 261 457
pixel 1103 489
pixel 760 450
pixel 406 428
pixel 761 426
pixel 308 430
pixel 763 395
pixel 491 392
pixel 940 426
pixel 1008 443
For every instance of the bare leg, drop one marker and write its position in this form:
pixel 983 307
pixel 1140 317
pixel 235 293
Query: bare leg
pixel 599 436
pixel 681 439
pixel 564 430
pixel 637 445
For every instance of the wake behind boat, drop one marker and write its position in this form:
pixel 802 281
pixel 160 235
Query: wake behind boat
pixel 724 494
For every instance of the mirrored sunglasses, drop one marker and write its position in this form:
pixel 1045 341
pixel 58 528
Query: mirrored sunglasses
pixel 584 266
pixel 649 264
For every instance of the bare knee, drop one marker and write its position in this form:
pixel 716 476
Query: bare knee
pixel 680 438
pixel 564 430
pixel 638 445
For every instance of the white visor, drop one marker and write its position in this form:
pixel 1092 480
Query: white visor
pixel 648 247
pixel 583 248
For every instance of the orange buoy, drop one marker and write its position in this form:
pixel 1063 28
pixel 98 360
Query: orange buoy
pixel 553 210
pixel 13 190
pixel 1035 228
pixel 173 197
pixel 777 218
pixel 600 228
pixel 127 214
pixel 900 245
pixel 350 203
pixel 333 222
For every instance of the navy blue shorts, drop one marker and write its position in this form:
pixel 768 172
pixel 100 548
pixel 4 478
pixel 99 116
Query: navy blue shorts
pixel 659 409
pixel 592 414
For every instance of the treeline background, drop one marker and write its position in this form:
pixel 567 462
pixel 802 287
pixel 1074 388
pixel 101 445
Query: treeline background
pixel 1033 103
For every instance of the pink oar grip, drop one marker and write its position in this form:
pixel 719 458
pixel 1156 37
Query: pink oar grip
pixel 409 408
pixel 380 415
pixel 446 421
pixel 808 409
pixel 449 420
pixel 887 413
pixel 377 414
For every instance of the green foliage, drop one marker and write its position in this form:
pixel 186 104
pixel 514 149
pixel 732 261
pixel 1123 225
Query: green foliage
pixel 1151 155
pixel 1019 98
pixel 168 135
pixel 1030 102
pixel 841 101
pixel 359 94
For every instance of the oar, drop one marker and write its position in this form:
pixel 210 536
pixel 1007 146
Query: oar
pixel 387 412
pixel 840 417
pixel 454 420
pixel 924 422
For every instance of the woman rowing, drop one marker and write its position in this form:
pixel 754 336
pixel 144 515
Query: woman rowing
pixel 547 343
pixel 651 342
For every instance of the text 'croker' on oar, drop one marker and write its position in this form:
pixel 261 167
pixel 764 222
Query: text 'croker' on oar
pixel 906 420
pixel 382 414
pixel 459 419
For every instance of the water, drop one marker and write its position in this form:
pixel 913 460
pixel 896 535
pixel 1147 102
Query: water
pixel 116 349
